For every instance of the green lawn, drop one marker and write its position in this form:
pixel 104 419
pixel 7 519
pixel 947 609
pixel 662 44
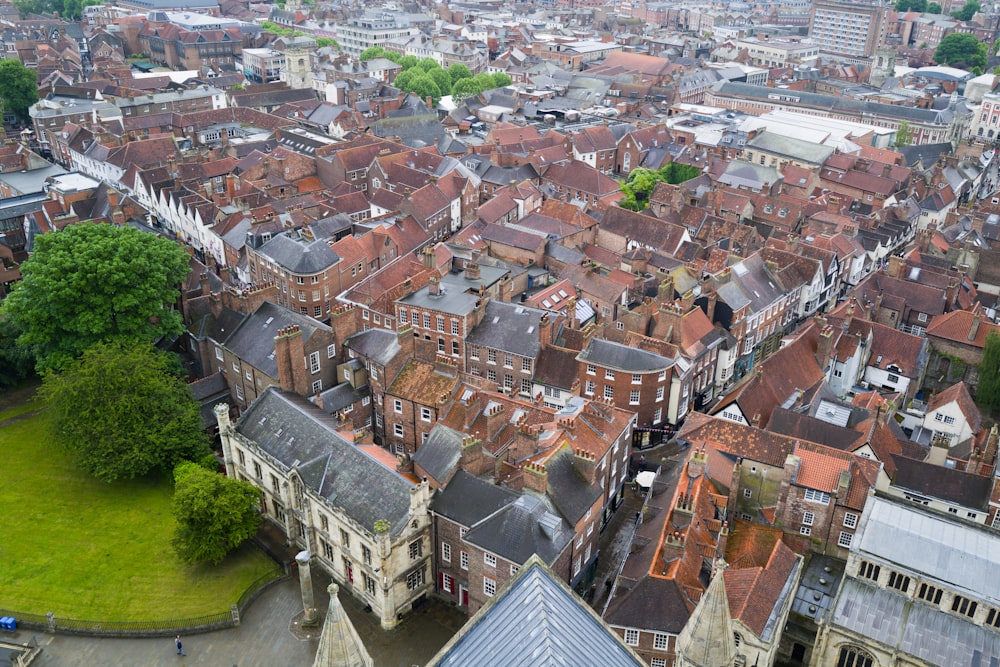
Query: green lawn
pixel 88 550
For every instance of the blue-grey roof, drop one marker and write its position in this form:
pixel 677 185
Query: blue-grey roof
pixel 253 340
pixel 509 327
pixel 571 494
pixel 468 499
pixel 338 397
pixel 298 434
pixel 933 636
pixel 299 256
pixel 439 455
pixel 963 557
pixel 379 345
pixel 526 526
pixel 622 357
pixel 536 620
pixel 459 293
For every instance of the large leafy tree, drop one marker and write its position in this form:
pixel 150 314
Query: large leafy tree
pixel 641 182
pixel 961 49
pixel 214 513
pixel 424 86
pixel 123 410
pixel 93 282
pixel 442 80
pixel 988 391
pixel 967 11
pixel 18 87
pixel 910 5
pixel 459 71
pixel 16 362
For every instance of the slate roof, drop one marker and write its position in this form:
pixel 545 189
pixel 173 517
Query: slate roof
pixel 299 256
pixel 948 484
pixel 439 455
pixel 570 494
pixel 622 357
pixel 467 499
pixel 298 434
pixel 556 367
pixel 253 340
pixel 527 526
pixel 536 620
pixel 509 327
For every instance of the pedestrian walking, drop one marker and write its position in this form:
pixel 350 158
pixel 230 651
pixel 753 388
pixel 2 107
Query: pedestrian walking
pixel 180 647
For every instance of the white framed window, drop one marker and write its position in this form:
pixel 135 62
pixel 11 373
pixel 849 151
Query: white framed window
pixel 404 317
pixel 808 518
pixel 845 539
pixel 636 378
pixel 609 392
pixel 850 520
pixel 317 386
pixel 662 376
pixel 447 583
pixel 489 587
pixel 747 493
pixel 416 549
pixel 805 530
pixel 397 405
pixel 425 414
pixel 415 579
pixel 446 552
pixel 490 560
pixel 633 397
pixel 591 369
pixel 514 569
pixel 660 641
pixel 658 662
pixel 218 353
pixel 463 560
pixel 609 374
pixel 814 496
pixel 454 327
pixel 508 361
pixel 331 351
pixel 526 365
pixel 397 430
pixel 631 636
pixel 314 362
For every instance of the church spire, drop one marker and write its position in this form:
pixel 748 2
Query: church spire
pixel 707 638
pixel 339 644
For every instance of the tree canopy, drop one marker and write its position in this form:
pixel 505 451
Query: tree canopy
pixel 93 282
pixel 641 182
pixel 967 11
pixel 122 410
pixel 459 71
pixel 961 49
pixel 910 5
pixel 214 513
pixel 323 42
pixel 988 391
pixel 904 134
pixel 18 87
pixel 16 362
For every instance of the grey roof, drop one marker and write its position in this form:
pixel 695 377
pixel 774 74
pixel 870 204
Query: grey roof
pixel 933 636
pixel 622 357
pixel 536 620
pixel 468 499
pixel 338 397
pixel 965 557
pixel 571 494
pixel 379 345
pixel 742 173
pixel 440 454
pixel 524 527
pixel 509 327
pixel 253 340
pixel 299 256
pixel 797 149
pixel 459 293
pixel 299 435
pixel 30 182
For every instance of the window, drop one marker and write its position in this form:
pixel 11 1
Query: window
pixel 747 493
pixel 929 593
pixel 491 356
pixel 243 458
pixel 440 323
pixel 899 581
pixel 257 472
pixel 345 539
pixel 609 374
pixel 416 549
pixel 868 570
pixel 660 641
pixel 425 414
pixel 473 351
pixel 893 378
pixel 815 496
pixel 447 583
pixel 609 392
pixel 403 316
pixel 440 344
pixel 463 560
pixel 808 518
pixel 993 618
pixel 317 386
pixel 490 560
pixel 397 406
pixel 851 520
pixel 805 530
pixel 631 636
pixel 636 378
pixel 633 397
pixel 845 539
pixel 327 549
pixel 397 430
pixel 662 376
pixel 851 656
pixel 454 327
pixel 489 587
pixel 921 317
pixel 658 415
pixel 314 362
pixel 589 389
pixel 236 368
pixel 658 662
pixel 514 569
pixel 446 552
pixel 526 365
pixel 369 584
pixel 964 605
pixel 218 353
pixel 491 375
pixel 659 393
pixel 366 555
pixel 331 351
pixel 415 579
pixel 454 348
pixel 591 369
pixel 427 320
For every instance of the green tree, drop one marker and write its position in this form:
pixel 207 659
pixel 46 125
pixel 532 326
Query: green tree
pixel 677 172
pixel 323 42
pixel 122 410
pixel 406 62
pixel 427 64
pixel 424 86
pixel 464 88
pixel 934 8
pixel 371 53
pixel 18 87
pixel 967 11
pixel 904 134
pixel 501 79
pixel 988 392
pixel 442 80
pixel 93 282
pixel 961 49
pixel 16 362
pixel 404 78
pixel 214 513
pixel 910 5
pixel 459 71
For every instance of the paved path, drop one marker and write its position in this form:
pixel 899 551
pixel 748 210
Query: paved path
pixel 263 639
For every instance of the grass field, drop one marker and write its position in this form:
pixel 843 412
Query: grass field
pixel 88 550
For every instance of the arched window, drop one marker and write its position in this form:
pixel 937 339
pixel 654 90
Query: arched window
pixel 737 639
pixel 627 162
pixel 852 656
